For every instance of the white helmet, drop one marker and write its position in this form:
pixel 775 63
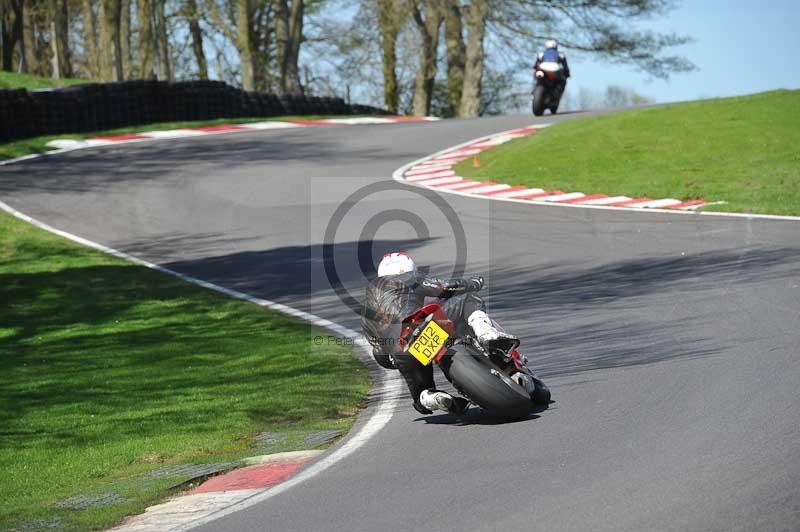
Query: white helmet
pixel 551 43
pixel 395 264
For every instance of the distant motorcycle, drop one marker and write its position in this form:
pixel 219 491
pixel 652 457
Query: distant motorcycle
pixel 498 381
pixel 549 87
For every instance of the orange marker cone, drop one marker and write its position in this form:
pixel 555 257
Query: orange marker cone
pixel 476 161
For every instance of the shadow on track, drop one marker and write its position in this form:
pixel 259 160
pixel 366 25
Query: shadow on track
pixel 476 416
pixel 587 297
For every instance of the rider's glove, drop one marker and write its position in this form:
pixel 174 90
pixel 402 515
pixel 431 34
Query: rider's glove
pixel 476 282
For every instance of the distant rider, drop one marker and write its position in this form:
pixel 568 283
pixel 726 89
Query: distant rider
pixel 399 291
pixel 551 54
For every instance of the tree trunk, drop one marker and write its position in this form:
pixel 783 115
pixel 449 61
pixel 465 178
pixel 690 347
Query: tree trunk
pixel 110 57
pixel 90 40
pixel 144 21
pixel 456 52
pixel 262 47
pixel 292 83
pixel 244 28
pixel 125 39
pixel 161 50
pixel 29 37
pixel 197 38
pixel 59 38
pixel 289 37
pixel 389 22
pixel 426 74
pixel 281 41
pixel 473 69
pixel 12 31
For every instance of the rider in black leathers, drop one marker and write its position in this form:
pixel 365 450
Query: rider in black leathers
pixel 393 296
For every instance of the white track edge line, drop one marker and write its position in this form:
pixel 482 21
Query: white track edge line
pixel 163 139
pixel 397 175
pixel 377 420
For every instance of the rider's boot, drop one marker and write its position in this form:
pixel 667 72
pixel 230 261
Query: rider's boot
pixel 486 333
pixel 436 400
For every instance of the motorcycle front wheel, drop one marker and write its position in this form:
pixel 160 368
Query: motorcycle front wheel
pixel 486 385
pixel 538 100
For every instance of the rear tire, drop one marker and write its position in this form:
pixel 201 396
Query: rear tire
pixel 471 373
pixel 538 100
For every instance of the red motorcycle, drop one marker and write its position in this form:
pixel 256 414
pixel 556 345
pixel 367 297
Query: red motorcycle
pixel 550 83
pixel 497 381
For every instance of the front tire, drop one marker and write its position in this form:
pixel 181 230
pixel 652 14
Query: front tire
pixel 477 377
pixel 538 100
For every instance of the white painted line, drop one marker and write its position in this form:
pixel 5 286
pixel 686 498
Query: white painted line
pixel 434 162
pixel 656 204
pixel 270 124
pixel 512 197
pixel 448 157
pixel 605 201
pixel 496 141
pixel 360 121
pixel 90 143
pixel 489 188
pixel 377 421
pixel 66 144
pixel 172 133
pixel 693 207
pixel 387 389
pixel 428 169
pixel 431 175
pixel 455 186
pixel 518 193
pixel 465 153
pixel 441 181
pixel 280 457
pixel 562 197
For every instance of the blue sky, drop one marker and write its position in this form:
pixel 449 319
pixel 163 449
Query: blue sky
pixel 740 47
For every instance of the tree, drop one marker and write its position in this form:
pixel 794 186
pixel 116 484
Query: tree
pixel 476 15
pixel 126 58
pixel 110 56
pixel 244 41
pixel 391 16
pixel 263 45
pixel 144 22
pixel 289 37
pixel 11 15
pixel 29 37
pixel 193 18
pixel 604 28
pixel 59 39
pixel 456 51
pixel 90 39
pixel 161 42
pixel 428 27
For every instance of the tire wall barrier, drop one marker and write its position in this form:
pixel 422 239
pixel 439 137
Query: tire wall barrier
pixel 102 106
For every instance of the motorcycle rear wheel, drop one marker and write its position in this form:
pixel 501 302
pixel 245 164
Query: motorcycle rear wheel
pixel 478 378
pixel 538 100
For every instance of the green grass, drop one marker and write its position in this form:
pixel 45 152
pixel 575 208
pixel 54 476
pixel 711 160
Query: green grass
pixel 109 370
pixel 19 148
pixel 12 80
pixel 744 151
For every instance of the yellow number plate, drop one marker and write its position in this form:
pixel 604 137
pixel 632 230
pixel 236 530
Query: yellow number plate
pixel 428 343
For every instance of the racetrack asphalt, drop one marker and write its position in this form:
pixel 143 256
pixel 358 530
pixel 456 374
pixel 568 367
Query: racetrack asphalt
pixel 670 342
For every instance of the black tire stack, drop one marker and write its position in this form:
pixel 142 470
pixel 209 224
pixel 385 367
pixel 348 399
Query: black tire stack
pixel 98 107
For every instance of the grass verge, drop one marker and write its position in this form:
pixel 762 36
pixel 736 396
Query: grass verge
pixel 14 80
pixel 19 148
pixel 742 150
pixel 110 370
